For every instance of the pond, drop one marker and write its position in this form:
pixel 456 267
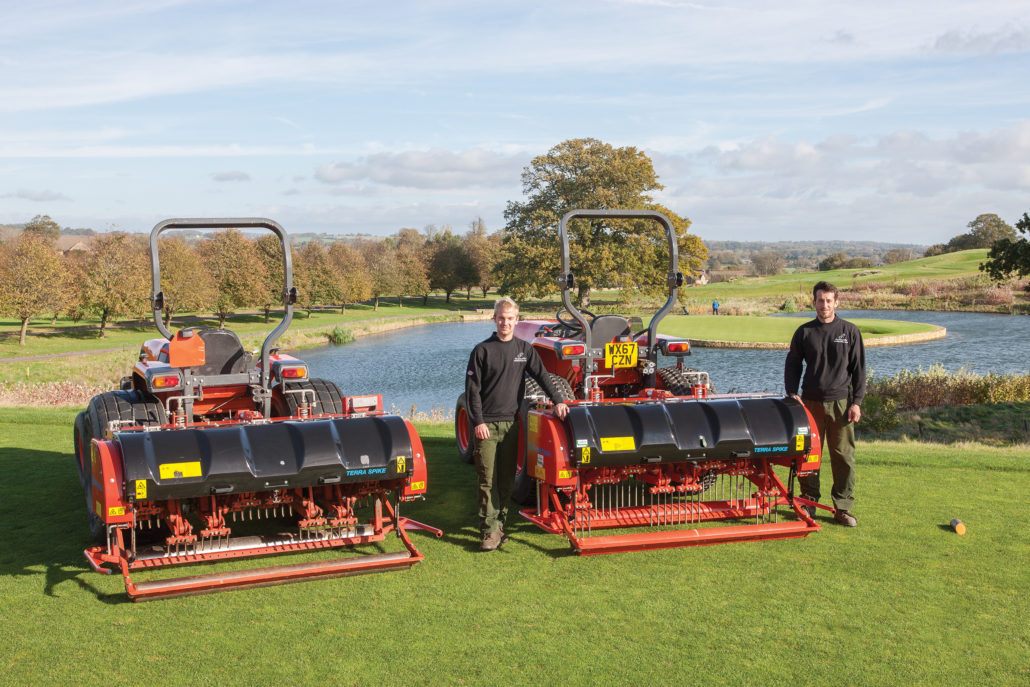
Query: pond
pixel 423 367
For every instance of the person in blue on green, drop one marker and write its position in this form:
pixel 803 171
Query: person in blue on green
pixel 833 356
pixel 715 307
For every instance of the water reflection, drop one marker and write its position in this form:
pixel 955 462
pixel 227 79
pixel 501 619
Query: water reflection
pixel 424 366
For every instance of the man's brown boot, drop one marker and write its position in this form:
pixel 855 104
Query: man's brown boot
pixel 491 541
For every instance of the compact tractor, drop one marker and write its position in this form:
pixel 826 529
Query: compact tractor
pixel 650 452
pixel 209 453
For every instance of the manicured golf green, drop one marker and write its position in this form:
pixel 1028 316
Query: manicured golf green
pixel 743 328
pixel 901 599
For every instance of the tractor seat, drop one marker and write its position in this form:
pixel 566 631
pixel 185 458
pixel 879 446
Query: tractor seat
pixel 606 327
pixel 223 353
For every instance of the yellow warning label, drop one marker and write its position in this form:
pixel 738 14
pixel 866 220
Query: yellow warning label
pixel 618 444
pixel 418 486
pixel 539 473
pixel 97 508
pixel 564 474
pixel 534 424
pixel 401 461
pixel 799 443
pixel 178 470
pixel 117 510
pixel 585 458
pixel 141 489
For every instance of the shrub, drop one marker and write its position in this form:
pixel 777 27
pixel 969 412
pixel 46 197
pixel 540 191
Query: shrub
pixel 936 387
pixel 340 335
pixel 880 413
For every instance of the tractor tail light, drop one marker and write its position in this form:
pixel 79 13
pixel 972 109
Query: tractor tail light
pixel 678 347
pixel 573 350
pixel 165 382
pixel 292 371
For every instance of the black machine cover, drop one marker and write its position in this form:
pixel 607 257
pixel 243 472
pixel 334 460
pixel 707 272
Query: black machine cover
pixel 616 434
pixel 191 462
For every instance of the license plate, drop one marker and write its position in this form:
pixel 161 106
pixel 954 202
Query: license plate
pixel 620 354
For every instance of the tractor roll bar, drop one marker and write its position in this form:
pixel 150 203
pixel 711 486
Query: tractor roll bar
pixel 567 280
pixel 289 292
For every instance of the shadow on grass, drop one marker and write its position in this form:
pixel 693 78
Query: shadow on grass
pixel 43 515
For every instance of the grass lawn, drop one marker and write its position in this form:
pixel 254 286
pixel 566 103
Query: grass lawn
pixel 898 600
pixel 82 336
pixel 772 329
pixel 947 266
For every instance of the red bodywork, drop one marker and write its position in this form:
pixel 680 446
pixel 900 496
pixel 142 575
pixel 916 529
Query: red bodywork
pixel 325 517
pixel 678 502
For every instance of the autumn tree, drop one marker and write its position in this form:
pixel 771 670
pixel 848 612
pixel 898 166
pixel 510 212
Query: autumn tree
pixel 581 174
pixel 352 273
pixel 32 279
pixel 237 270
pixel 411 262
pixel 1010 256
pixel 768 262
pixel 896 255
pixel 449 264
pixel 483 250
pixel 186 282
pixel 43 226
pixel 834 261
pixel 114 279
pixel 317 281
pixel 270 253
pixel 383 269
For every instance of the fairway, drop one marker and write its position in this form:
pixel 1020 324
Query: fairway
pixel 778 330
pixel 899 600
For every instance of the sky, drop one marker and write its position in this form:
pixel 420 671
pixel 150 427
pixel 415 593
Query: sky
pixel 788 120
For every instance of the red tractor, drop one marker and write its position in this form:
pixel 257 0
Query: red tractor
pixel 203 438
pixel 646 446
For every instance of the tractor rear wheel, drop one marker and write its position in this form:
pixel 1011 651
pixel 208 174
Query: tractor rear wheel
pixel 675 380
pixel 463 431
pixel 127 408
pixel 524 491
pixel 327 396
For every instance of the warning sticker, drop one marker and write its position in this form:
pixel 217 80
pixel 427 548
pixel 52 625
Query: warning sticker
pixel 418 486
pixel 564 474
pixel 117 510
pixel 180 470
pixel 401 462
pixel 799 443
pixel 585 457
pixel 618 444
pixel 141 489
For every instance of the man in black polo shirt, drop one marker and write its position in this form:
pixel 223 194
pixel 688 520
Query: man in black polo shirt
pixel 494 387
pixel 832 389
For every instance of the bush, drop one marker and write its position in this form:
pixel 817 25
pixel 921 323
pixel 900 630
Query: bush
pixel 340 335
pixel 880 413
pixel 936 387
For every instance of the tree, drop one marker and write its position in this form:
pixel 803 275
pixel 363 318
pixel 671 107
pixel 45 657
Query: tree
pixel 33 280
pixel 383 270
pixel 1010 256
pixel 483 250
pixel 834 261
pixel 352 273
pixel 317 281
pixel 411 264
pixel 237 270
pixel 768 262
pixel 43 226
pixel 896 255
pixel 579 174
pixel 114 279
pixel 185 280
pixel 270 253
pixel 984 232
pixel 449 264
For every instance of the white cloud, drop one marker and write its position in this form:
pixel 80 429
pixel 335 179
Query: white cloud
pixel 45 196
pixel 230 176
pixel 431 169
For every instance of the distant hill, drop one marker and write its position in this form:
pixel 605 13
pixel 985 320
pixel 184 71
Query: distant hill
pixel 804 255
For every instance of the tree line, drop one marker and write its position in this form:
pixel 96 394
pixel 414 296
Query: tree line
pixel 230 271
